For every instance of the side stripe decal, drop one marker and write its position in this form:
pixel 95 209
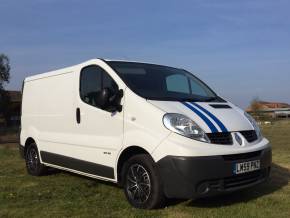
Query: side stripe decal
pixel 218 122
pixel 202 116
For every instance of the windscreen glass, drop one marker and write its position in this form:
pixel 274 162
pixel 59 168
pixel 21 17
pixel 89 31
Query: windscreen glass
pixel 158 82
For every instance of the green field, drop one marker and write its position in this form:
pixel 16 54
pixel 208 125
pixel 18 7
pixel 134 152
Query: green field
pixel 63 194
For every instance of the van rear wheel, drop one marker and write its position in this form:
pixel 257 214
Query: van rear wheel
pixel 142 183
pixel 33 165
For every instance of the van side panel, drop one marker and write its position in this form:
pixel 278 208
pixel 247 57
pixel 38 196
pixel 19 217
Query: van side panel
pixel 48 112
pixel 50 101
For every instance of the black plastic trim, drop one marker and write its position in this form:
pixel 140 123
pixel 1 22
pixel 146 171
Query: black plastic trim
pixel 250 135
pixel 78 115
pixel 221 138
pixel 186 177
pixel 76 164
pixel 242 156
pixel 220 106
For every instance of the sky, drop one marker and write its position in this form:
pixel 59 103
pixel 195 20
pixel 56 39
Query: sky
pixel 241 49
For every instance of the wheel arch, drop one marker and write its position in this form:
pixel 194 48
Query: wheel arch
pixel 28 141
pixel 125 154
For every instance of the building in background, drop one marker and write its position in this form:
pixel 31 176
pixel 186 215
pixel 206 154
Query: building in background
pixel 12 115
pixel 270 109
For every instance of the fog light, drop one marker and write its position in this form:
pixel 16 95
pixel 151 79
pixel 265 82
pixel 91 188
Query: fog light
pixel 203 188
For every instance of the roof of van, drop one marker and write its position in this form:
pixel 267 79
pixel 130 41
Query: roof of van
pixel 71 68
pixel 57 72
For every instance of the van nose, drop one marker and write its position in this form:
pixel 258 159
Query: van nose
pixel 211 117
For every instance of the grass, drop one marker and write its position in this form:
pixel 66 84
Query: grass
pixel 64 194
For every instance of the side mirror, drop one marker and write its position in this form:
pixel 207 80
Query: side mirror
pixel 110 101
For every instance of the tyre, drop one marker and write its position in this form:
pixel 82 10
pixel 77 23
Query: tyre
pixel 141 182
pixel 33 165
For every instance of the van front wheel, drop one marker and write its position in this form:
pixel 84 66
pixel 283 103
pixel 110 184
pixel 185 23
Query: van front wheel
pixel 33 165
pixel 142 183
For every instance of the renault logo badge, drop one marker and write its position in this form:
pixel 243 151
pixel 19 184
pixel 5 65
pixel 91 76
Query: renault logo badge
pixel 238 139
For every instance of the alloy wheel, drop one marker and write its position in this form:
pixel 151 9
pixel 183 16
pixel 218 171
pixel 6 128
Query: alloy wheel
pixel 138 183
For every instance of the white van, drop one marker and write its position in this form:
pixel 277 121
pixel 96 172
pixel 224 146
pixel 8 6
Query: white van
pixel 157 131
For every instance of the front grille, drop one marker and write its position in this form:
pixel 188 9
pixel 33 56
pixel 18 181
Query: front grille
pixel 242 180
pixel 222 138
pixel 250 135
pixel 242 156
pixel 225 138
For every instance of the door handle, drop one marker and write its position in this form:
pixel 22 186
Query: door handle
pixel 78 115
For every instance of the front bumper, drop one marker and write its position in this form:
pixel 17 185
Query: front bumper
pixel 194 177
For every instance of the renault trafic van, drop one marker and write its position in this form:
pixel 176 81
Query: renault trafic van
pixel 157 131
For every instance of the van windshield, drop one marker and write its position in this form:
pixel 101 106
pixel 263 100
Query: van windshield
pixel 156 82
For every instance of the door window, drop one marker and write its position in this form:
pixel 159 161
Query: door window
pixel 92 80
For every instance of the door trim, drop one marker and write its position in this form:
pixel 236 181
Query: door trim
pixel 77 164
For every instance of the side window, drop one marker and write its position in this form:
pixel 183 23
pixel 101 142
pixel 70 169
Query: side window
pixel 177 83
pixel 109 83
pixel 92 80
pixel 91 84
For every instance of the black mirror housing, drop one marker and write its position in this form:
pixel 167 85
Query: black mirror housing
pixel 107 100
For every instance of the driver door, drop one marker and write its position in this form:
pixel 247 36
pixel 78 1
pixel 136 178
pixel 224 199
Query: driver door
pixel 99 132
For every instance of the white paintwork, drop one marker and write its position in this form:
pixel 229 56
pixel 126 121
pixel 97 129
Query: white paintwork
pixel 233 119
pixel 49 117
pixel 178 145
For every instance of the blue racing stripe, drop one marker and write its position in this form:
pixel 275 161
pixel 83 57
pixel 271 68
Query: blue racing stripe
pixel 219 123
pixel 202 116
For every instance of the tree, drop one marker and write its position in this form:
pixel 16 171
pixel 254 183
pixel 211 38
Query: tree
pixel 4 78
pixel 4 70
pixel 255 105
pixel 5 106
pixel 256 108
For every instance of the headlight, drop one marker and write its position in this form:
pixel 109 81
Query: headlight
pixel 182 125
pixel 255 125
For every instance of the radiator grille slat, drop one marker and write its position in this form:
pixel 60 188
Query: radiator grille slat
pixel 225 138
pixel 222 138
pixel 250 135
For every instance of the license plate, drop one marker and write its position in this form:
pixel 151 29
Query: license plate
pixel 245 167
